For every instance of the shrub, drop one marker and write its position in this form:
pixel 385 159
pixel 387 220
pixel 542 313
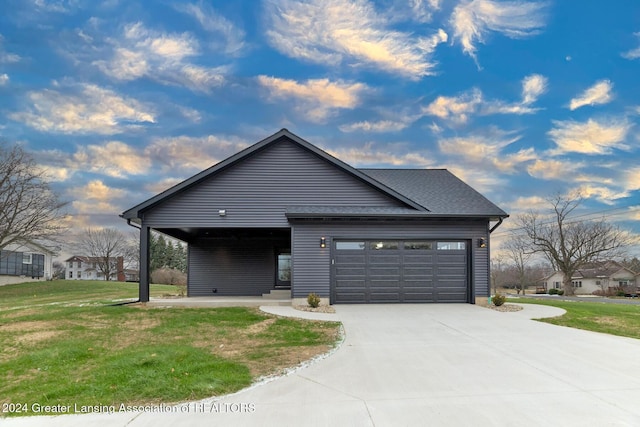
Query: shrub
pixel 553 291
pixel 169 276
pixel 620 293
pixel 498 300
pixel 560 291
pixel 314 300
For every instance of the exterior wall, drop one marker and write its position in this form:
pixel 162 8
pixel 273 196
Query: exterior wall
pixel 27 249
pixel 231 267
pixel 78 269
pixel 312 264
pixel 590 285
pixel 256 191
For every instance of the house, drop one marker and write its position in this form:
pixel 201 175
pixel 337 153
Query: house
pixel 602 276
pixel 88 268
pixel 25 262
pixel 284 214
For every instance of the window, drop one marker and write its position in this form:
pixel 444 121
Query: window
pixel 70 274
pixel 623 283
pixel 79 264
pixel 451 246
pixel 27 258
pixel 79 274
pixel 350 246
pixel 576 284
pixel 556 285
pixel 70 264
pixel 379 246
pixel 427 246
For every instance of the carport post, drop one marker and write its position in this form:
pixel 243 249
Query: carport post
pixel 143 289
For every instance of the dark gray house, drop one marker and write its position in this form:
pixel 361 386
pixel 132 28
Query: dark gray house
pixel 283 214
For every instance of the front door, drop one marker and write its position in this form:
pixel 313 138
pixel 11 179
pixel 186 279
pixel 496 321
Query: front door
pixel 283 268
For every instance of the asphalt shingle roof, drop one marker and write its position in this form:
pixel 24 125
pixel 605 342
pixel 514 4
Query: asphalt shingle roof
pixel 437 190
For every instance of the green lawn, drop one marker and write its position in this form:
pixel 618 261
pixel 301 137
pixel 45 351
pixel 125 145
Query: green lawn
pixel 65 343
pixel 614 319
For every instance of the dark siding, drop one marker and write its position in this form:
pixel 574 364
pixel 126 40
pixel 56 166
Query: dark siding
pixel 231 267
pixel 312 264
pixel 256 191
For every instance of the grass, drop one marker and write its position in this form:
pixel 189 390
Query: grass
pixel 614 319
pixel 65 343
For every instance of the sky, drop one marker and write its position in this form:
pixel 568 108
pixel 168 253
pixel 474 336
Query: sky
pixel 523 100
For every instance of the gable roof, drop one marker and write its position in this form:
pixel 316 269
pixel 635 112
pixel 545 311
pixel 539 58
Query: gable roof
pixel 424 192
pixel 134 212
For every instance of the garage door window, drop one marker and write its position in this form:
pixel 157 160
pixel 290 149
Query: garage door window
pixel 379 246
pixel 451 246
pixel 424 246
pixel 350 246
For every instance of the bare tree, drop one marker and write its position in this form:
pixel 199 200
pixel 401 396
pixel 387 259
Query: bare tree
pixel 570 244
pixel 29 210
pixel 105 246
pixel 517 251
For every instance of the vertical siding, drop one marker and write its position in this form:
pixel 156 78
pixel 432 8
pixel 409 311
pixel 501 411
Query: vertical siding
pixel 256 191
pixel 312 264
pixel 231 267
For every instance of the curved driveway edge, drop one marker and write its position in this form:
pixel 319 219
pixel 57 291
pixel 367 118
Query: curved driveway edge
pixel 440 365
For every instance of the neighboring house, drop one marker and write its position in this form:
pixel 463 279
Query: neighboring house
pixel 603 277
pixel 284 214
pixel 26 262
pixel 87 268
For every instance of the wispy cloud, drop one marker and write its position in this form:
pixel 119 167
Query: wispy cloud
pixel 473 20
pixel 6 57
pixel 232 42
pixel 591 137
pixel 633 53
pixel 552 169
pixel 484 148
pixel 599 93
pixel 164 57
pixel 4 79
pixel 369 155
pixel 315 99
pixel 458 109
pixel 114 158
pixel 187 153
pixel 88 109
pixel 376 126
pixel 333 32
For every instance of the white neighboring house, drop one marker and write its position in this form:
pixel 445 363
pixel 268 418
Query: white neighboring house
pixel 86 268
pixel 597 276
pixel 25 262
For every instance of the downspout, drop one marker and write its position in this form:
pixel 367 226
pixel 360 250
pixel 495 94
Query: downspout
pixel 496 226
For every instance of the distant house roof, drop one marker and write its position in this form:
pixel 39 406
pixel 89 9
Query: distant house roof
pixel 603 269
pixel 424 192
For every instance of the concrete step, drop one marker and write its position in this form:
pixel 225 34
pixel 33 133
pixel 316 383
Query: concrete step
pixel 278 294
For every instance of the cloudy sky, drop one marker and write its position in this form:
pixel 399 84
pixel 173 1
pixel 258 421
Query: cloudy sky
pixel 119 100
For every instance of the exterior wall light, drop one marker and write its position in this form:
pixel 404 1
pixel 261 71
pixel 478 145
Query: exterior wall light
pixel 222 212
pixel 323 242
pixel 482 242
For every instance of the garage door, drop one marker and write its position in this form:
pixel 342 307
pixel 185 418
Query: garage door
pixel 378 271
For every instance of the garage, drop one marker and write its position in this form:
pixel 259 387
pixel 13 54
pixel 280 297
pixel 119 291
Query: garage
pixel 396 271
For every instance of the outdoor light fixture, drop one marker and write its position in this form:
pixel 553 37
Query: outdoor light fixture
pixel 323 242
pixel 482 242
pixel 222 212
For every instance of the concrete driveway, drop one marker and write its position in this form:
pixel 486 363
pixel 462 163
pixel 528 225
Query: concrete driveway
pixel 435 365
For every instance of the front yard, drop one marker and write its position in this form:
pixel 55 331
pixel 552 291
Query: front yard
pixel 614 319
pixel 64 343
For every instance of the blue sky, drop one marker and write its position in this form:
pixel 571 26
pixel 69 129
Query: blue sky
pixel 119 100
